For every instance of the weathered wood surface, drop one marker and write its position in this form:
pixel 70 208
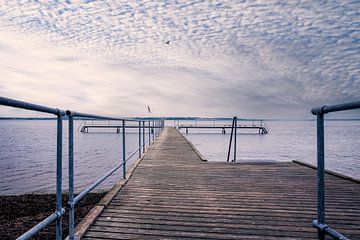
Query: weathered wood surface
pixel 173 194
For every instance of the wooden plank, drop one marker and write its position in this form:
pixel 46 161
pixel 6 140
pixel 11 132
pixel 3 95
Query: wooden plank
pixel 173 194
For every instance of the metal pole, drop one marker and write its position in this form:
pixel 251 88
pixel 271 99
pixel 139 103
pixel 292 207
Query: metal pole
pixel 153 129
pixel 149 131
pixel 59 178
pixel 143 136
pixel 320 174
pixel 139 139
pixel 71 178
pixel 231 134
pixel 123 149
pixel 235 119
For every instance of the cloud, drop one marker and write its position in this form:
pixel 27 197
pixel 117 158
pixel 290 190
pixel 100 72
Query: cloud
pixel 237 57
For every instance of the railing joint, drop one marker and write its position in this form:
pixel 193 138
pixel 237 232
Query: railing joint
pixel 59 214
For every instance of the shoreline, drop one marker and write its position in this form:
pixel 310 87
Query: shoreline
pixel 20 212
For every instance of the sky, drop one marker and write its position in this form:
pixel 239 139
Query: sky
pixel 263 59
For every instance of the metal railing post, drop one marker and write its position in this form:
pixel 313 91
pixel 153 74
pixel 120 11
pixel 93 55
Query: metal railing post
pixel 123 149
pixel 71 179
pixel 235 125
pixel 139 139
pixel 153 129
pixel 320 174
pixel 143 136
pixel 59 178
pixel 149 132
pixel 231 135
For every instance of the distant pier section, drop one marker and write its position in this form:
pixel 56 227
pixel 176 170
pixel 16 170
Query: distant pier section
pixel 259 126
pixel 225 126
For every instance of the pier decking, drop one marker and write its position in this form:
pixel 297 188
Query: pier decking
pixel 173 194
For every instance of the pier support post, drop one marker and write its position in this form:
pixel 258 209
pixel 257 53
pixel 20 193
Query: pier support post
pixel 139 139
pixel 235 125
pixel 143 123
pixel 59 177
pixel 231 135
pixel 152 131
pixel 71 204
pixel 149 132
pixel 320 174
pixel 123 149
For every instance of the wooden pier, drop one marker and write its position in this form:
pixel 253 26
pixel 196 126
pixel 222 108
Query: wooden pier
pixel 174 194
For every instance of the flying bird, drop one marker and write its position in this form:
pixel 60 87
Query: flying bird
pixel 167 42
pixel 149 110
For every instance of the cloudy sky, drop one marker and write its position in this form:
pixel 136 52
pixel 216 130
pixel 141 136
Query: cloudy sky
pixel 247 58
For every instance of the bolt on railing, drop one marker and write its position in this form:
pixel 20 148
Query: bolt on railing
pixel 319 223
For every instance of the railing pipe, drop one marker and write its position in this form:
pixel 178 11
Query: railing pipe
pixel 153 129
pixel 123 149
pixel 71 179
pixel 139 139
pixel 331 232
pixel 335 108
pixel 41 225
pixel 95 184
pixel 59 177
pixel 235 137
pixel 231 135
pixel 100 180
pixel 56 216
pixel 98 117
pixel 320 222
pixel 30 106
pixel 149 132
pixel 320 174
pixel 143 123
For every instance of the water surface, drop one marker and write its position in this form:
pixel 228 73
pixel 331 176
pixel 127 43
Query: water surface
pixel 28 155
pixel 287 141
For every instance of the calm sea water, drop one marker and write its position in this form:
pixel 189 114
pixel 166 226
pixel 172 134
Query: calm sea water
pixel 28 156
pixel 28 151
pixel 287 141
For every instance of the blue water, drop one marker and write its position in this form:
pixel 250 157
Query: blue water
pixel 287 141
pixel 28 156
pixel 28 151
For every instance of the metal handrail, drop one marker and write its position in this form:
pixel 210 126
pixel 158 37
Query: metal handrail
pixel 319 223
pixel 82 194
pixel 336 108
pixel 97 117
pixel 74 200
pixel 56 216
pixel 30 106
pixel 59 211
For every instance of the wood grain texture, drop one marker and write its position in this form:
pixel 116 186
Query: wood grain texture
pixel 173 194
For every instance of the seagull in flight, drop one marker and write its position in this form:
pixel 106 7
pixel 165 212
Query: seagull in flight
pixel 167 42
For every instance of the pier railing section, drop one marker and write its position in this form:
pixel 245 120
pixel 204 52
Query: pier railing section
pixel 141 126
pixel 319 223
pixel 59 211
pixel 153 127
pixel 223 124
